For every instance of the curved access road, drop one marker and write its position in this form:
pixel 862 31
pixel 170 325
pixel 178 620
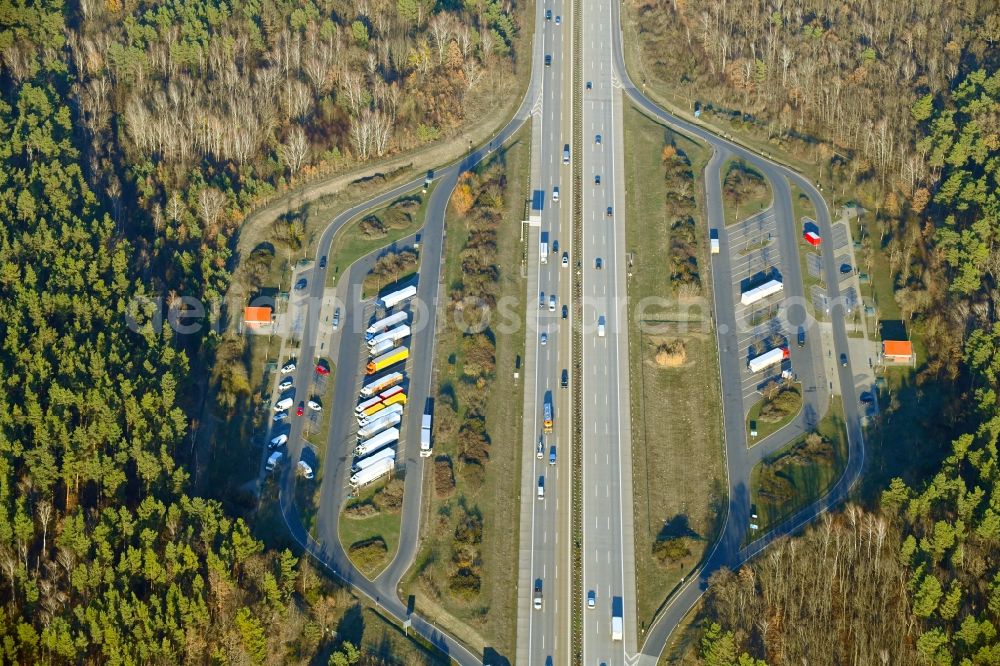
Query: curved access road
pixel 729 551
pixel 326 548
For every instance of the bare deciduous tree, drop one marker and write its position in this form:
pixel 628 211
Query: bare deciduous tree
pixel 295 151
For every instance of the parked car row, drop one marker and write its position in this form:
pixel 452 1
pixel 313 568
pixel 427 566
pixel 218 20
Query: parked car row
pixel 282 412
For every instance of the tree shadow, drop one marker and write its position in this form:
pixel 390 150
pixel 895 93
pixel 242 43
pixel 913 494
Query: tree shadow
pixel 493 658
pixel 678 526
pixel 352 625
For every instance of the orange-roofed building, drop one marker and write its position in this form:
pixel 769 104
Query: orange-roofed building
pixel 898 351
pixel 256 317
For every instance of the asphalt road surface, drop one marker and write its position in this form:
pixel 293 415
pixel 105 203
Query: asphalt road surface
pixel 543 633
pixel 729 550
pixel 608 562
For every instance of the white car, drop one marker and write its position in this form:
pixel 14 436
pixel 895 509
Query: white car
pixel 540 449
pixel 273 460
pixel 288 367
pixel 280 416
pixel 315 406
pixel 283 404
pixel 544 338
pixel 305 469
pixel 278 441
pixel 565 260
pixel 591 599
pixel 285 385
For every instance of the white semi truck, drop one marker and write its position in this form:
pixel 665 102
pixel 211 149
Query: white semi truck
pixel 373 459
pixel 373 473
pixel 425 436
pixel 391 336
pixel 769 288
pixel 378 425
pixel 767 359
pixel 375 443
pixel 386 323
pixel 617 619
pixel 391 409
pixel 393 299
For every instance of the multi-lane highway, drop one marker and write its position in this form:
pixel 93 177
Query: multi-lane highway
pixel 608 562
pixel 543 629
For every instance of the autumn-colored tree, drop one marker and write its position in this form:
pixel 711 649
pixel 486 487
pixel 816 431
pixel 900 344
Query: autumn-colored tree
pixel 462 198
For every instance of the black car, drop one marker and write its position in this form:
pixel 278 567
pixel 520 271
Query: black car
pixel 589 85
pixel 845 268
pixel 548 61
pixel 867 398
pixel 843 360
pixel 802 337
pixel 322 261
pixel 565 312
pixel 555 246
pixel 300 285
pixel 597 179
pixel 610 211
pixel 548 14
pixel 598 264
pixel 565 378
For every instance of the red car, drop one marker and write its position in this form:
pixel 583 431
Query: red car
pixel 302 406
pixel 322 370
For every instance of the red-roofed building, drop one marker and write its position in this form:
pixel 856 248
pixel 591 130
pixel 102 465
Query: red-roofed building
pixel 255 318
pixel 898 351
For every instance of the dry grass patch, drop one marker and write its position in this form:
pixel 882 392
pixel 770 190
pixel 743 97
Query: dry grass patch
pixel 670 354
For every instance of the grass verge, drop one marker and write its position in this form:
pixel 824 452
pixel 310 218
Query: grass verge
pixel 487 617
pixel 745 191
pixel 677 456
pixel 798 474
pixel 765 428
pixel 380 530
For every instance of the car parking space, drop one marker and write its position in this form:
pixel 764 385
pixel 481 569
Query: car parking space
pixel 752 231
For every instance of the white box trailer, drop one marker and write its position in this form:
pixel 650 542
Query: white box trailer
pixel 393 299
pixel 375 443
pixel 425 437
pixel 380 348
pixel 617 619
pixel 391 409
pixel 767 359
pixel 769 288
pixel 386 323
pixel 377 425
pixel 392 335
pixel 373 459
pixel 373 473
pixel 372 388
